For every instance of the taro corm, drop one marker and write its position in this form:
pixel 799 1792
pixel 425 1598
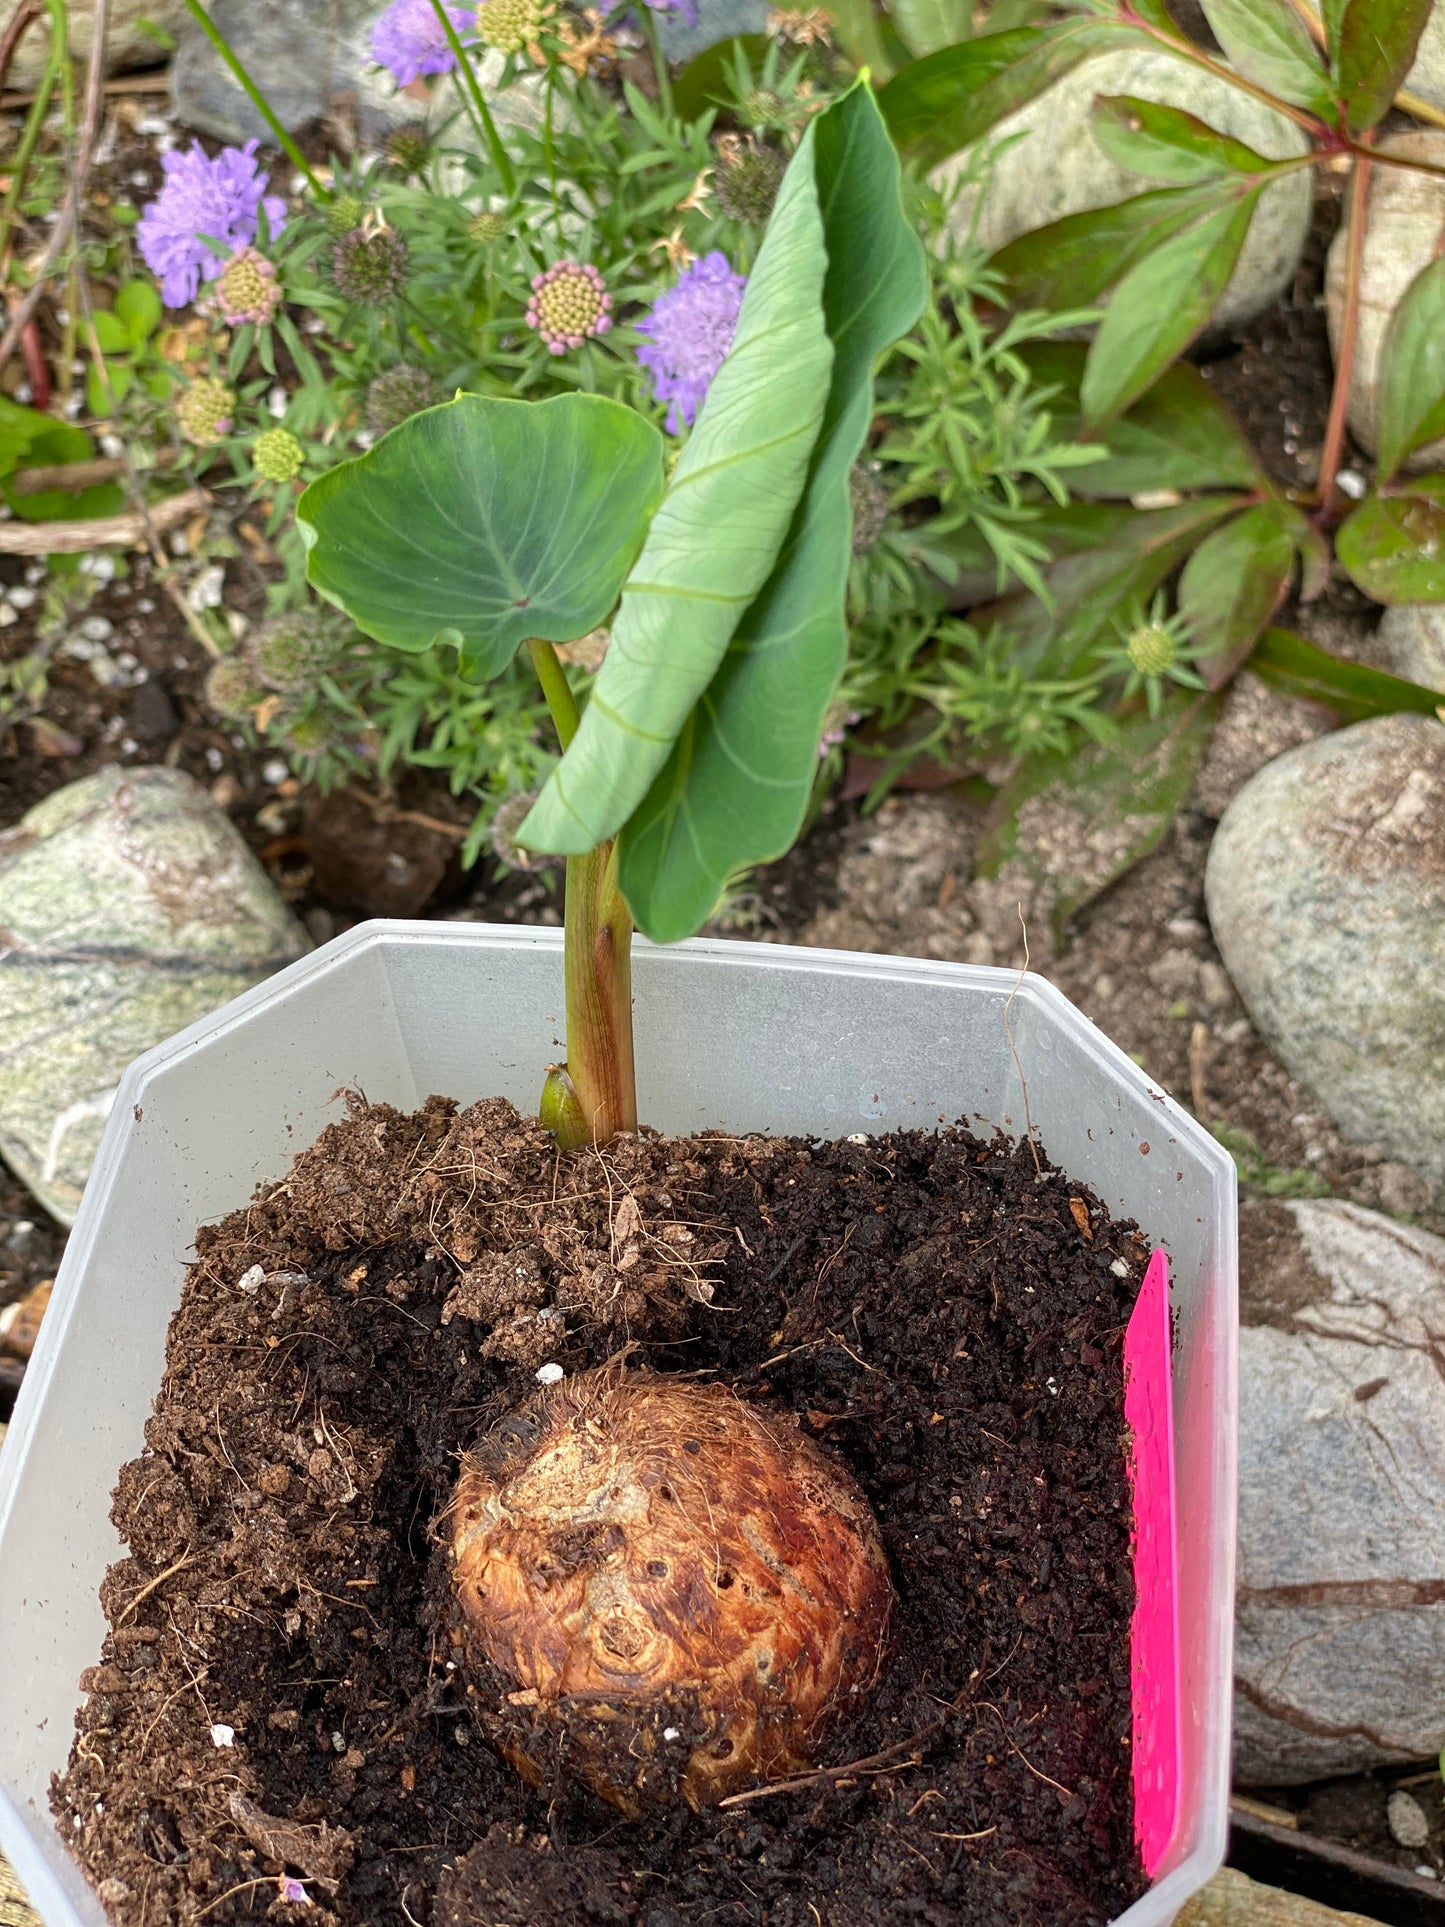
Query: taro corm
pixel 661 1589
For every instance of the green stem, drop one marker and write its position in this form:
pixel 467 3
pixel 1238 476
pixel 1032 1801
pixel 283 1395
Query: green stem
pixel 659 60
pixel 55 62
pixel 598 957
pixel 556 689
pixel 481 113
pixel 257 99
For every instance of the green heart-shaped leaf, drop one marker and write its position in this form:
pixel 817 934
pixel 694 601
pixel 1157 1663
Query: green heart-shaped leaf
pixel 486 522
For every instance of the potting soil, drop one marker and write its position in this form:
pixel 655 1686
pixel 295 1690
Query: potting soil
pixel 278 1726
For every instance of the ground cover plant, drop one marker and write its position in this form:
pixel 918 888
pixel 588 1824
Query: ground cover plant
pixel 1007 611
pixel 721 1608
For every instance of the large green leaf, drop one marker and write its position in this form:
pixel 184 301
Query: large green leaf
pixel 1270 44
pixel 716 536
pixel 1072 262
pixel 1412 370
pixel 1104 807
pixel 1179 434
pixel 1295 667
pixel 1167 144
pixel 1374 50
pixel 736 787
pixel 1160 306
pixel 945 101
pixel 1394 544
pixel 1234 582
pixel 30 438
pixel 486 522
pixel 926 25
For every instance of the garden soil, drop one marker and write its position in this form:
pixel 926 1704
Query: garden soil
pixel 278 1711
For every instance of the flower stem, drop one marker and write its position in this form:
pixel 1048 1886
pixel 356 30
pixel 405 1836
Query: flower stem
pixel 481 113
pixel 1349 337
pixel 19 168
pixel 598 959
pixel 659 60
pixel 253 93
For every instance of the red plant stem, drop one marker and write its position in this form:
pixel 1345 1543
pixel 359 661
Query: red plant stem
pixel 1187 50
pixel 1349 340
pixel 36 366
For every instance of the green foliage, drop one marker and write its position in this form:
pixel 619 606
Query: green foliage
pixel 1258 1178
pixel 736 785
pixel 485 523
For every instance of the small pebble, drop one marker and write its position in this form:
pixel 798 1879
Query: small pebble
pixel 1119 1268
pixel 20 597
pixel 275 771
pixel 251 1281
pixel 549 1374
pixel 1408 1824
pixel 223 1735
pixel 98 628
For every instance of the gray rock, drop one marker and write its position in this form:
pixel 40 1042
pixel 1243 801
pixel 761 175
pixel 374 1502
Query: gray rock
pixel 1340 1621
pixel 1412 641
pixel 1326 891
pixel 1057 169
pixel 312 60
pixel 129 907
pixel 1409 1826
pixel 136 36
pixel 716 20
pixel 1404 215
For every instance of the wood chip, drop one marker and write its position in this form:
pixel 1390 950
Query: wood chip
pixel 317 1853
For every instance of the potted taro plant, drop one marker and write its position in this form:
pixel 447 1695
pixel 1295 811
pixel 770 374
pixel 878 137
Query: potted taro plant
pixel 546 1520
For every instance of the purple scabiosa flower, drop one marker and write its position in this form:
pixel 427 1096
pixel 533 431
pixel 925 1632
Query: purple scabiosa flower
pixel 409 40
pixel 220 199
pixel 687 8
pixel 569 302
pixel 690 330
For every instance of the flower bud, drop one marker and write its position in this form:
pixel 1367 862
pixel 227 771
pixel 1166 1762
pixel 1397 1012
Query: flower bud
pixel 277 456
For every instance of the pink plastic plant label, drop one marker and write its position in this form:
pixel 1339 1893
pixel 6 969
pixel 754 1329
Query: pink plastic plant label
pixel 1154 1635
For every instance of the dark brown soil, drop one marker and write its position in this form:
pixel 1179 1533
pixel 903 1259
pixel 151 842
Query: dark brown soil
pixel 927 1307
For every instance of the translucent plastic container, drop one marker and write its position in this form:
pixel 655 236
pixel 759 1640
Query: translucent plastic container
pixel 751 1037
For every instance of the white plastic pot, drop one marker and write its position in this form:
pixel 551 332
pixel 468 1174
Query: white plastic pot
pixel 753 1037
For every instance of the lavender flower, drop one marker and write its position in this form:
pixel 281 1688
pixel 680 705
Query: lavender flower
pixel 220 199
pixel 687 8
pixel 569 302
pixel 409 40
pixel 690 330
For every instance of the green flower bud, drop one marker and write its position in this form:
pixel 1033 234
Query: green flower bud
pixel 289 652
pixel 370 268
pixel 206 412
pixel 487 226
pixel 1152 650
pixel 409 150
pixel 510 25
pixel 277 455
pixel 344 214
pixel 748 178
pixel 397 395
pixel 231 689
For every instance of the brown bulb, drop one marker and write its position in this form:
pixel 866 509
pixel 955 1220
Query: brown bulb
pixel 663 1590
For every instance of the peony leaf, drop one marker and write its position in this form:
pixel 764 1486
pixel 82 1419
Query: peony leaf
pixel 1234 582
pixel 1412 363
pixel 1270 45
pixel 1393 545
pixel 1295 667
pixel 1374 49
pixel 1160 306
pixel 485 522
pixel 946 100
pixel 1166 143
